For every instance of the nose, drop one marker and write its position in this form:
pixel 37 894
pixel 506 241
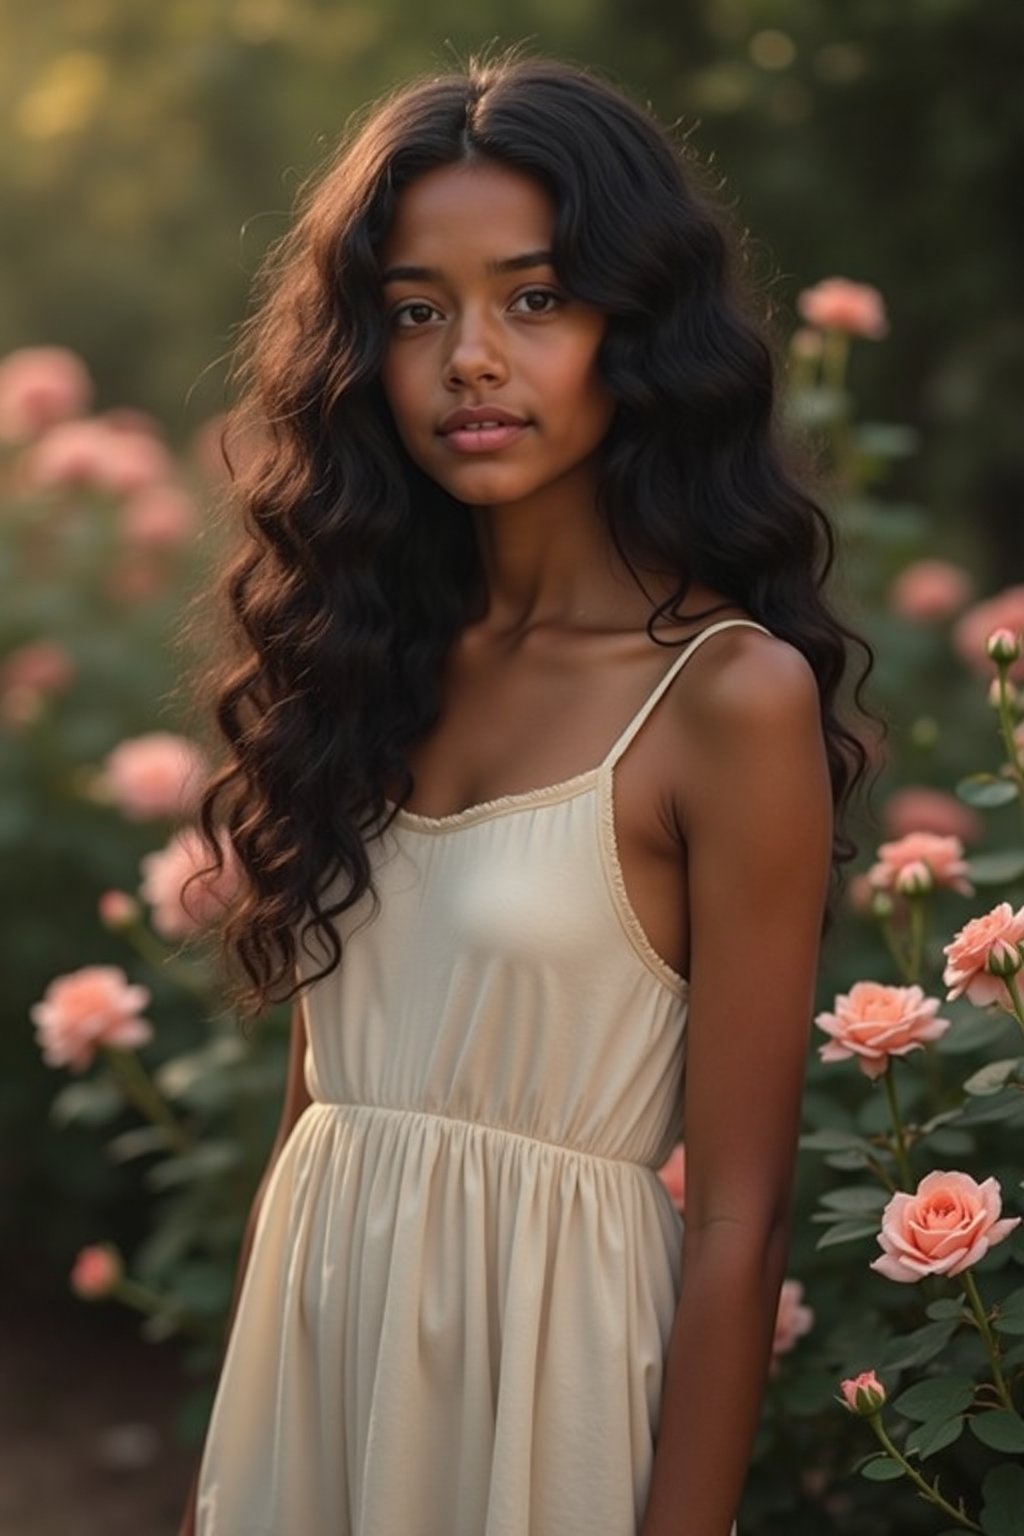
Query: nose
pixel 475 355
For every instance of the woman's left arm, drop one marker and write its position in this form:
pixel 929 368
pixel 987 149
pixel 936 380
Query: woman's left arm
pixel 758 829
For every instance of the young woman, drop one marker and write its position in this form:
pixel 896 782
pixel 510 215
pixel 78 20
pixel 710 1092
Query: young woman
pixel 532 775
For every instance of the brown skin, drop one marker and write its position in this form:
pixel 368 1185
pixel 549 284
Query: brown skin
pixel 723 803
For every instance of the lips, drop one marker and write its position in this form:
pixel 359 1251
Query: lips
pixel 479 418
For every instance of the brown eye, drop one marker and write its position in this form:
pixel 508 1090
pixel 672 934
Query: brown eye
pixel 416 312
pixel 548 300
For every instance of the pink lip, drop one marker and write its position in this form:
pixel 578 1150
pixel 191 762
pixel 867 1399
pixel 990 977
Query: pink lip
pixel 483 439
pixel 468 415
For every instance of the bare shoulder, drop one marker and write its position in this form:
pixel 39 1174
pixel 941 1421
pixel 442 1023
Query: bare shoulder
pixel 744 679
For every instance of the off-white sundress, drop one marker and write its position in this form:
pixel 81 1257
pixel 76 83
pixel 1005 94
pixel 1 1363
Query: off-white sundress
pixel 465 1268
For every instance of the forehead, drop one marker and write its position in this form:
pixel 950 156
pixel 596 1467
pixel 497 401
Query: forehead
pixel 478 208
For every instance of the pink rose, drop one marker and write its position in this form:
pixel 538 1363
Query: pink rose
pixel 30 675
pixel 38 387
pixel 917 808
pixel 970 634
pixel 118 910
pixel 159 774
pixel 158 517
pixel 672 1174
pixel 99 454
pixel 945 1226
pixel 930 590
pixel 178 914
pixel 873 1022
pixel 792 1320
pixel 997 935
pixel 96 1271
pixel 837 304
pixel 86 1009
pixel 863 1394
pixel 943 857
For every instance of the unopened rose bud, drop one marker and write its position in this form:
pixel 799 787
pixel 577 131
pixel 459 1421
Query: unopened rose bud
pixel 882 905
pixel 1003 646
pixel 915 879
pixel 863 1394
pixel 96 1271
pixel 995 694
pixel 1003 958
pixel 118 910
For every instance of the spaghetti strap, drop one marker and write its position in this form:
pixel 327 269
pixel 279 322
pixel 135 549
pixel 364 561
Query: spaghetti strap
pixel 662 687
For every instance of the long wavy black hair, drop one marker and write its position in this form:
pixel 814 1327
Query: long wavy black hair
pixel 353 571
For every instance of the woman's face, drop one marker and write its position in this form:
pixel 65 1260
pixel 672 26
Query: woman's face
pixel 478 321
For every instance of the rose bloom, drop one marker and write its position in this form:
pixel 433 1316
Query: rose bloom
pixel 97 454
pixel 863 1393
pixel 178 916
pixel 968 952
pixel 673 1175
pixel 44 666
pixel 158 517
pixel 86 1009
pixel 917 808
pixel 837 304
pixel 96 1271
pixel 944 857
pixel 117 909
pixel 930 590
pixel 873 1022
pixel 159 774
pixel 38 387
pixel 970 634
pixel 792 1320
pixel 945 1226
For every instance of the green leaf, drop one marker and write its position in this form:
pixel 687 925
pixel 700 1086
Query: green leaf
pixel 999 1429
pixel 993 1077
pixel 834 1141
pixel 882 1469
pixel 887 440
pixel 93 1102
pixel 1008 1105
pixel 1001 868
pixel 846 1232
pixel 917 1348
pixel 986 791
pixel 934 1435
pixel 846 1162
pixel 207 1160
pixel 856 1199
pixel 1009 1316
pixel 951 1142
pixel 938 1398
pixel 1002 1513
pixel 949 1306
pixel 140 1141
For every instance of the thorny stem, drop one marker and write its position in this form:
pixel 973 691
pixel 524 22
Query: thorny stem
pixel 992 1348
pixel 1016 1005
pixel 137 1087
pixel 923 1486
pixel 894 1110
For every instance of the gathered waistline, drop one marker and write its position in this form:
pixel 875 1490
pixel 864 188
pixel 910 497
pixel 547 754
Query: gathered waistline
pixel 482 1125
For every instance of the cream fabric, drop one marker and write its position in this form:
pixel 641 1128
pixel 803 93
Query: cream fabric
pixel 466 1268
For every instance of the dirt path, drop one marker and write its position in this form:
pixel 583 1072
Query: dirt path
pixel 87 1444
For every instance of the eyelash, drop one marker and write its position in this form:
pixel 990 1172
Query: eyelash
pixel 410 304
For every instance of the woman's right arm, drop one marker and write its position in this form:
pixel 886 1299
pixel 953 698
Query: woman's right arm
pixel 296 1099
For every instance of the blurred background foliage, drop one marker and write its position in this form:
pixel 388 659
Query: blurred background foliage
pixel 153 151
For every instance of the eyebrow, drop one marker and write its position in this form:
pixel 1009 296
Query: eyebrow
pixel 507 264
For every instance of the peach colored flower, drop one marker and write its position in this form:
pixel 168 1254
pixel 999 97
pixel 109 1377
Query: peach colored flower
pixel 945 1226
pixel 30 675
pixel 38 387
pixel 673 1175
pixel 863 1394
pixel 99 454
pixel 970 634
pixel 88 1008
pixel 96 1271
pixel 117 909
pixel 158 517
pixel 943 856
pixel 873 1022
pixel 792 1320
pixel 930 590
pixel 159 774
pixel 917 808
pixel 179 914
pixel 997 933
pixel 838 304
